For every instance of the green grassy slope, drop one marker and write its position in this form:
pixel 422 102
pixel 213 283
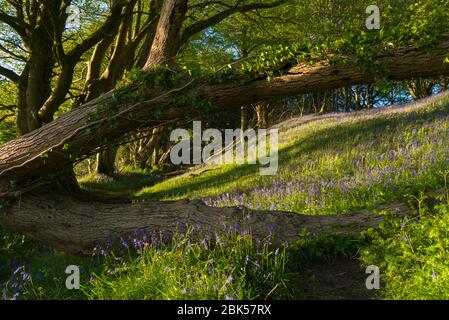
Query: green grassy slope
pixel 328 164
pixel 332 164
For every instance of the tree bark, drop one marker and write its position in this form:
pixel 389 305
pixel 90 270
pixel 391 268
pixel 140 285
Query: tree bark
pixel 106 161
pixel 166 39
pixel 77 226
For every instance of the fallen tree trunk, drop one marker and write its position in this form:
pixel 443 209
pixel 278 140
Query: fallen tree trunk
pixel 77 226
pixel 63 141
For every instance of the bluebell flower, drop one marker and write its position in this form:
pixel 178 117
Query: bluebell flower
pixel 123 243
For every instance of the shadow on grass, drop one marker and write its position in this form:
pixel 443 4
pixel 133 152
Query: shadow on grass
pixel 123 184
pixel 337 137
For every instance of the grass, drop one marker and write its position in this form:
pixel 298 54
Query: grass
pixel 127 181
pixel 229 266
pixel 412 254
pixel 234 267
pixel 329 164
pixel 332 164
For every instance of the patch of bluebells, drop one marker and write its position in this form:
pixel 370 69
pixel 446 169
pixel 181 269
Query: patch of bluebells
pixel 347 174
pixel 216 265
pixel 120 245
pixel 19 281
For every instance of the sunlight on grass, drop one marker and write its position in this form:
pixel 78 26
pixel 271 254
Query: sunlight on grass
pixel 332 165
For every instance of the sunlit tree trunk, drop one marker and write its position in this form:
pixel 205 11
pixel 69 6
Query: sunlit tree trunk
pixel 420 88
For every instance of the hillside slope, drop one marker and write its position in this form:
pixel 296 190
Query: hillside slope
pixel 334 163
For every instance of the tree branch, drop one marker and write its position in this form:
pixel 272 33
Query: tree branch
pixel 19 26
pixel 201 25
pixel 69 60
pixel 12 54
pixel 11 75
pixel 113 18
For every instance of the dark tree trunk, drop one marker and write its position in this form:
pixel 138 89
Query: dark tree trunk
pixel 106 161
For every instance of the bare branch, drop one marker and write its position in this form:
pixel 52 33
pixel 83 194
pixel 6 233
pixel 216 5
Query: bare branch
pixel 6 116
pixel 95 37
pixel 201 25
pixel 11 75
pixel 9 107
pixel 19 26
pixel 13 55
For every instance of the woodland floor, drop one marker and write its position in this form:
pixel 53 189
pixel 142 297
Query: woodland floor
pixel 341 279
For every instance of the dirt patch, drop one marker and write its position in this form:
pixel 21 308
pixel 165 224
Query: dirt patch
pixel 342 279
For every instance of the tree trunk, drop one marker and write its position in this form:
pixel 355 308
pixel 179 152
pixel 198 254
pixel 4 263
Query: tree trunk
pixel 106 161
pixel 357 98
pixel 145 49
pixel 166 40
pixel 348 98
pixel 163 50
pixel 243 118
pixel 261 109
pixel 77 226
pixel 444 84
pixel 369 96
pixel 420 88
